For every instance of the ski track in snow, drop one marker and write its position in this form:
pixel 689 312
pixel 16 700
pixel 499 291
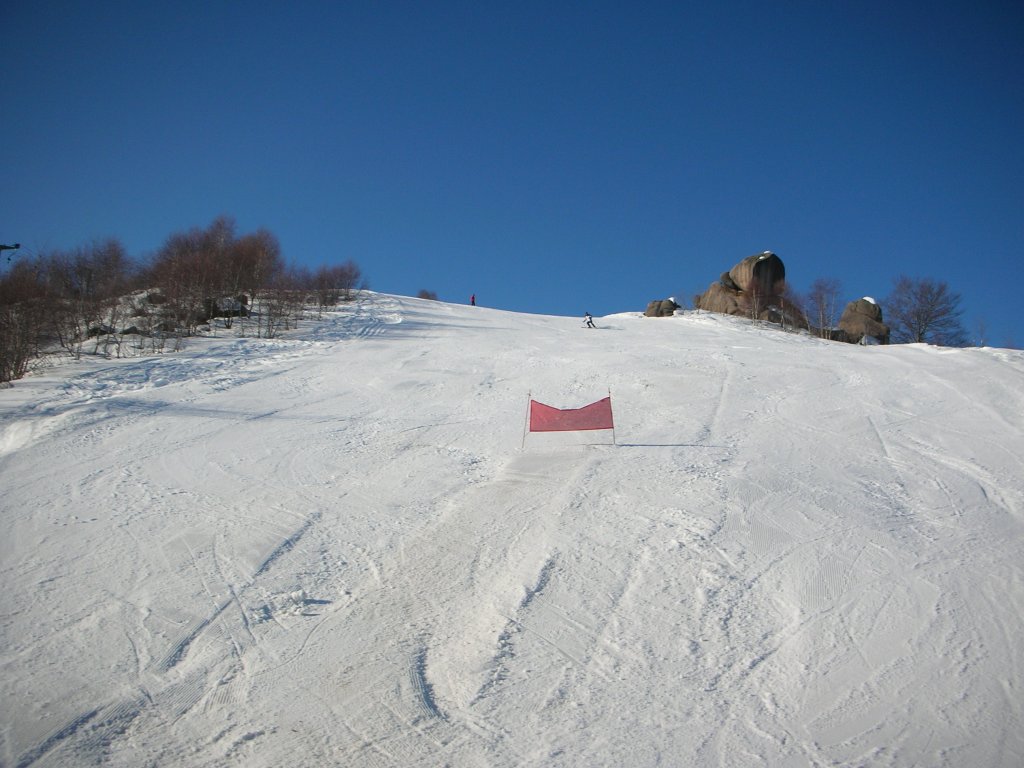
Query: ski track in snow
pixel 331 548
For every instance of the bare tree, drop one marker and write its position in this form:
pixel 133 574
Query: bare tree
pixel 790 307
pixel 22 319
pixel 337 283
pixel 199 269
pixel 84 290
pixel 106 274
pixel 281 304
pixel 255 266
pixel 757 299
pixel 183 272
pixel 68 298
pixel 344 278
pixel 924 310
pixel 823 305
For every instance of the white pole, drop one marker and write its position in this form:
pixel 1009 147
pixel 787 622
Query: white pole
pixel 529 405
pixel 613 414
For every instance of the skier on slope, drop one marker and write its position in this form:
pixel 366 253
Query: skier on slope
pixel 588 321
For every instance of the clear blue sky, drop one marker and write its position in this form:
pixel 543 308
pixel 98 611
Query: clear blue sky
pixel 549 157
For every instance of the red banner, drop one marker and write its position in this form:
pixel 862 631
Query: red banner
pixel 544 418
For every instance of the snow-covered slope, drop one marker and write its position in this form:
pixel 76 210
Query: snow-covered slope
pixel 338 549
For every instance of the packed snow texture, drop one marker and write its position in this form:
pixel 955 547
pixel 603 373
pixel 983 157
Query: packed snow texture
pixel 341 548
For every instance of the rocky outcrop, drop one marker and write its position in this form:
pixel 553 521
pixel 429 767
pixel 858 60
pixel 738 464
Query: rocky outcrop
pixel 762 272
pixel 751 288
pixel 661 308
pixel 721 298
pixel 863 319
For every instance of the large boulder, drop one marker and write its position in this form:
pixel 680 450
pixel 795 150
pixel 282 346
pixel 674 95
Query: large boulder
pixel 751 287
pixel 764 271
pixel 722 299
pixel 863 319
pixel 661 308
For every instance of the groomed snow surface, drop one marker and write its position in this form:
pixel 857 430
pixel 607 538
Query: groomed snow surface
pixel 335 549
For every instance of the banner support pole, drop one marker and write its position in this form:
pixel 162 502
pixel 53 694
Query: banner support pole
pixel 612 410
pixel 529 402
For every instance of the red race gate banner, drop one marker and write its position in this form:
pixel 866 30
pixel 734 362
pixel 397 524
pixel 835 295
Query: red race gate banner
pixel 544 418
